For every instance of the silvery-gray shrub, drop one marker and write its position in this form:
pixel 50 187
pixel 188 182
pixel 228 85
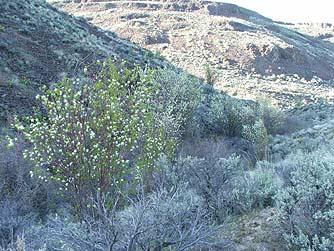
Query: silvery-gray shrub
pixel 161 220
pixel 306 202
pixel 226 185
pixel 22 199
pixel 178 101
pixel 175 220
pixel 13 222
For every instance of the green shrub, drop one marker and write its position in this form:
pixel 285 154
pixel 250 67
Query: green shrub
pixel 272 117
pixel 211 76
pixel 178 101
pixel 224 115
pixel 216 118
pixel 98 137
pixel 258 189
pixel 257 134
pixel 306 202
pixel 224 184
pixel 25 82
pixel 218 114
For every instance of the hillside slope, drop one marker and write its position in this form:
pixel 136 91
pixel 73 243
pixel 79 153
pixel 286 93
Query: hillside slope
pixel 324 31
pixel 262 56
pixel 40 44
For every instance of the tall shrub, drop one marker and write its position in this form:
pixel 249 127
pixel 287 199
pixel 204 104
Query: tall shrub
pixel 306 203
pixel 178 101
pixel 98 137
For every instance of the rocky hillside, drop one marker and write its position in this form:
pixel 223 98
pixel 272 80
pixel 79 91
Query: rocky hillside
pixel 261 174
pixel 251 54
pixel 40 44
pixel 324 31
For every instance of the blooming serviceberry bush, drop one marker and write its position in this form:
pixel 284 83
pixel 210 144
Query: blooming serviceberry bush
pixel 98 137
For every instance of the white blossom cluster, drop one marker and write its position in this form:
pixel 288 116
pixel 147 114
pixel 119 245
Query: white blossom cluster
pixel 97 134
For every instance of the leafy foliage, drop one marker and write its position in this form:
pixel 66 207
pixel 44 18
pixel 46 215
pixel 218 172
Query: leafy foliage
pixel 306 203
pixel 103 136
pixel 273 118
pixel 178 101
pixel 257 134
pixel 210 75
pixel 224 184
pixel 109 143
pixel 220 114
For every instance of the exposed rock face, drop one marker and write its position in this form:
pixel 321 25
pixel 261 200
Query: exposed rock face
pixel 258 53
pixel 231 10
pixel 324 31
pixel 286 51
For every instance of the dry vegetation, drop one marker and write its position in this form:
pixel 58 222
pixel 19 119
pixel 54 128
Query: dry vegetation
pixel 252 55
pixel 129 153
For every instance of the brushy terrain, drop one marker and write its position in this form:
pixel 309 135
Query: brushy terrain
pixel 251 54
pixel 40 45
pixel 106 146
